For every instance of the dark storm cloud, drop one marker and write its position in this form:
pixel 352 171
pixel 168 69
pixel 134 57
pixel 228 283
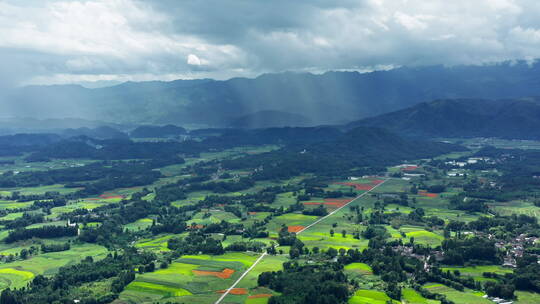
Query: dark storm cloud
pixel 59 41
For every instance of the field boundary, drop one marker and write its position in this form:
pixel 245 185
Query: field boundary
pixel 338 209
pixel 304 229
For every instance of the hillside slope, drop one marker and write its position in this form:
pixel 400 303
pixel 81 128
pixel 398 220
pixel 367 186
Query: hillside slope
pixel 507 118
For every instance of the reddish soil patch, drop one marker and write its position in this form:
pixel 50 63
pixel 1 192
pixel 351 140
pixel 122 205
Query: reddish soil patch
pixel 409 168
pixel 111 195
pixel 295 228
pixel 252 213
pixel 427 194
pixel 225 274
pixel 262 295
pixel 198 226
pixel 377 181
pixel 236 291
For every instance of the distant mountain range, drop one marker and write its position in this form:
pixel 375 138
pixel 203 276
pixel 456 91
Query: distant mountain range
pixel 329 98
pixel 267 119
pixel 505 118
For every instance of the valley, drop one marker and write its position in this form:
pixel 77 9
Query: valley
pixel 219 223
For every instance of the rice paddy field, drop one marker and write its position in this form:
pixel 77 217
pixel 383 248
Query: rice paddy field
pixel 158 243
pixel 18 273
pixel 411 296
pixel 364 296
pixel 213 217
pixel 4 204
pixel 477 271
pixel 467 296
pixel 254 294
pixel 290 219
pixel 516 207
pixel 192 198
pixel 139 224
pixel 422 236
pixel 190 279
pixel 11 216
pixel 360 268
pixel 318 237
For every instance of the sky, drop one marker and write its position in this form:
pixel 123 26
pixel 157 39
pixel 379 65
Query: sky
pixel 111 41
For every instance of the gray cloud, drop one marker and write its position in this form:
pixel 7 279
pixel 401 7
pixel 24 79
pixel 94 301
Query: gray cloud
pixel 58 41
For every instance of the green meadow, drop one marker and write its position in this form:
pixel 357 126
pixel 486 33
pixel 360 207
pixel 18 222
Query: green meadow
pixel 459 297
pixel 139 224
pixel 185 279
pixel 411 296
pixel 20 272
pixel 364 296
pixel 477 271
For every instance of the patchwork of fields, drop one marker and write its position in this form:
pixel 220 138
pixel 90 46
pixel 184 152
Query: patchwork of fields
pixel 388 208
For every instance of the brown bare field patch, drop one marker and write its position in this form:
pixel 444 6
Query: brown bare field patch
pixel 427 194
pixel 224 274
pixel 235 291
pixel 297 228
pixel 198 226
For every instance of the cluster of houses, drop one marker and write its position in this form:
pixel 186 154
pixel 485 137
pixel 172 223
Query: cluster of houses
pixel 469 161
pixel 408 251
pixel 515 250
pixel 497 300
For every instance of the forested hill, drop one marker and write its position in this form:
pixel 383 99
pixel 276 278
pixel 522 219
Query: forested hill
pixel 329 98
pixel 354 150
pixel 508 118
pixel 306 149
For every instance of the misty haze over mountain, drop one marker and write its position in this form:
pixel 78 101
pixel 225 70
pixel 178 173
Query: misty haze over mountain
pixel 329 98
